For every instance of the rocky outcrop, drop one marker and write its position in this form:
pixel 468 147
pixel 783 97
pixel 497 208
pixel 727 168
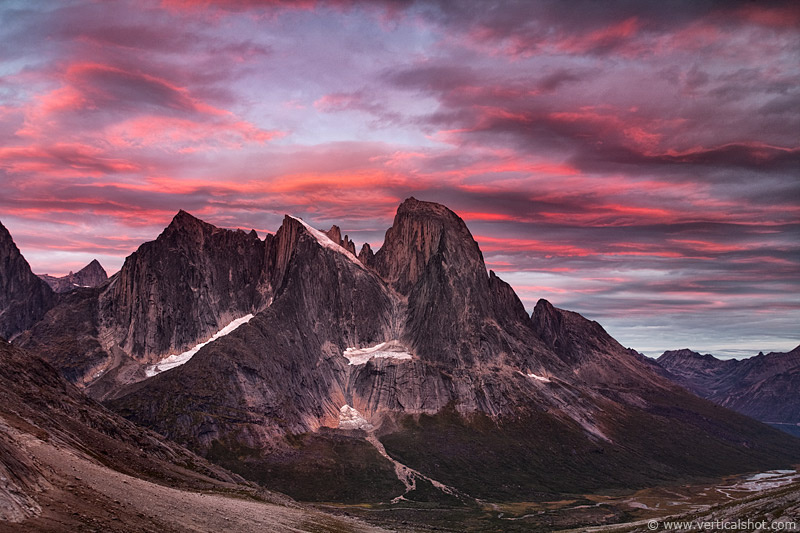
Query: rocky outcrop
pixel 335 234
pixel 366 255
pixel 92 275
pixel 764 386
pixel 24 298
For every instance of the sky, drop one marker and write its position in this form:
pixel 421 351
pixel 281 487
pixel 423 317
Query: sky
pixel 637 162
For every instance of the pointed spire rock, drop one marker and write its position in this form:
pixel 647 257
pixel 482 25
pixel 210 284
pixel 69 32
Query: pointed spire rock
pixel 366 256
pixel 335 234
pixel 349 245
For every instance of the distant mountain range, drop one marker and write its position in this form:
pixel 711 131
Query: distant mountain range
pixel 410 372
pixel 764 387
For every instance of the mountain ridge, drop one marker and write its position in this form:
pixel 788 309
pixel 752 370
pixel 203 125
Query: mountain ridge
pixel 761 386
pixel 450 381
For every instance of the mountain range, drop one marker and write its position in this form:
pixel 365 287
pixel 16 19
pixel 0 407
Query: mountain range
pixel 407 373
pixel 763 387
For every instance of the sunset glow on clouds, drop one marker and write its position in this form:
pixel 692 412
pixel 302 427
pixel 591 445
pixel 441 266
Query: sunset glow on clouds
pixel 635 162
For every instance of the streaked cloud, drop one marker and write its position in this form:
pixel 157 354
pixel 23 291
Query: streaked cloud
pixel 636 162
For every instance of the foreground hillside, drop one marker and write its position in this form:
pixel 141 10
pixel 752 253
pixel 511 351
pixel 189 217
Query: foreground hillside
pixel 67 464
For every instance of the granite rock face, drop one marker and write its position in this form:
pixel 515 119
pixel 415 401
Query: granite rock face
pixel 182 287
pixel 92 275
pixel 764 386
pixel 24 298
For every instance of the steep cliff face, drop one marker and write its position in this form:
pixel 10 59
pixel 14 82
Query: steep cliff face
pixel 184 286
pixel 430 258
pixel 764 386
pixel 286 364
pixel 24 298
pixel 92 275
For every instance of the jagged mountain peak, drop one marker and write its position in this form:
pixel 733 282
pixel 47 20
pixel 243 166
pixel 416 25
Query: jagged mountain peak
pixel 422 231
pixel 94 270
pixel 184 221
pixel 188 283
pixel 92 275
pixel 94 264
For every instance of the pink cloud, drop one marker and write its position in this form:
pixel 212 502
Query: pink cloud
pixel 618 37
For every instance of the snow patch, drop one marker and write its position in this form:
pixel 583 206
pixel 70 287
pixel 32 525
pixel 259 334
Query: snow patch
pixel 536 377
pixel 392 349
pixel 350 418
pixel 178 359
pixel 767 480
pixel 326 242
pixel 539 378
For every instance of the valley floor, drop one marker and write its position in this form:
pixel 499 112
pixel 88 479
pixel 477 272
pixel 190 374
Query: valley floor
pixel 770 497
pixel 81 495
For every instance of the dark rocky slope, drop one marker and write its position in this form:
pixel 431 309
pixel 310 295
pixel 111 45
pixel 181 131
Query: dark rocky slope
pixel 68 464
pixel 36 401
pixel 24 298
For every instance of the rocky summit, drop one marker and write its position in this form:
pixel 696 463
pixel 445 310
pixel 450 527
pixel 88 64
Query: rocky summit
pixel 92 275
pixel 408 373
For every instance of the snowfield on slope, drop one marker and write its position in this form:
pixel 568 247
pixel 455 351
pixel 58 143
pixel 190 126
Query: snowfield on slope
pixel 172 361
pixel 350 418
pixel 390 349
pixel 536 377
pixel 326 242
